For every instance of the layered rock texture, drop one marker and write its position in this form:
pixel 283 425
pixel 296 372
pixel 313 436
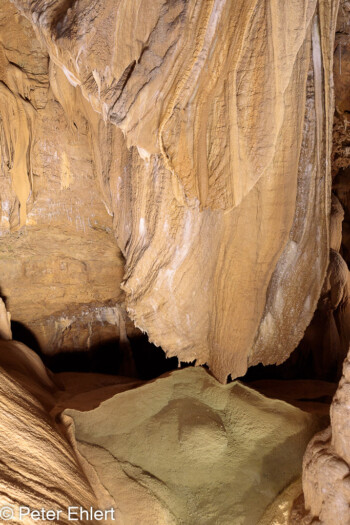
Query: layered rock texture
pixel 328 336
pixel 321 353
pixel 165 167
pixel 60 266
pixel 326 467
pixel 38 466
pixel 198 133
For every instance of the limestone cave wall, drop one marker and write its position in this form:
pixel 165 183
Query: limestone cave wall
pixel 176 170
pixel 169 160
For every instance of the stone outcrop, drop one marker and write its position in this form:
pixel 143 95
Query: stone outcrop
pixel 165 167
pixel 341 136
pixel 325 343
pixel 326 340
pixel 39 468
pixel 326 467
pixel 210 127
pixel 60 266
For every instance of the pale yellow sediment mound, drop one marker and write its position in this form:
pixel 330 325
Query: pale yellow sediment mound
pixel 184 449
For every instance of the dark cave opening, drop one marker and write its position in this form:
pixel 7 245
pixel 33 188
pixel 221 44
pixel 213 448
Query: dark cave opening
pixel 143 360
pixel 138 359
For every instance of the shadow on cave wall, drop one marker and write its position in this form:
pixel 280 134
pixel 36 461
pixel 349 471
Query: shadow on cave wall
pixel 139 359
pixel 316 357
pixel 319 355
pixel 22 333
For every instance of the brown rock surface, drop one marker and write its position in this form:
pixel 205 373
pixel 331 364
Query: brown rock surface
pixel 341 137
pixel 60 266
pixel 39 468
pixel 326 466
pixel 325 344
pixel 220 204
pixel 341 130
pixel 326 340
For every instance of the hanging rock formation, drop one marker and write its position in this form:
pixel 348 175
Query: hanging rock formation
pixel 326 464
pixel 325 344
pixel 213 161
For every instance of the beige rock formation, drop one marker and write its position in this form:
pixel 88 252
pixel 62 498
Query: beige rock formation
pixel 326 462
pixel 341 153
pixel 5 322
pixel 325 344
pixel 60 267
pixel 217 178
pixel 341 134
pixel 326 467
pixel 168 162
pixel 328 336
pixel 39 468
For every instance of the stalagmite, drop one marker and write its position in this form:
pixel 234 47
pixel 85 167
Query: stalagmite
pixel 326 467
